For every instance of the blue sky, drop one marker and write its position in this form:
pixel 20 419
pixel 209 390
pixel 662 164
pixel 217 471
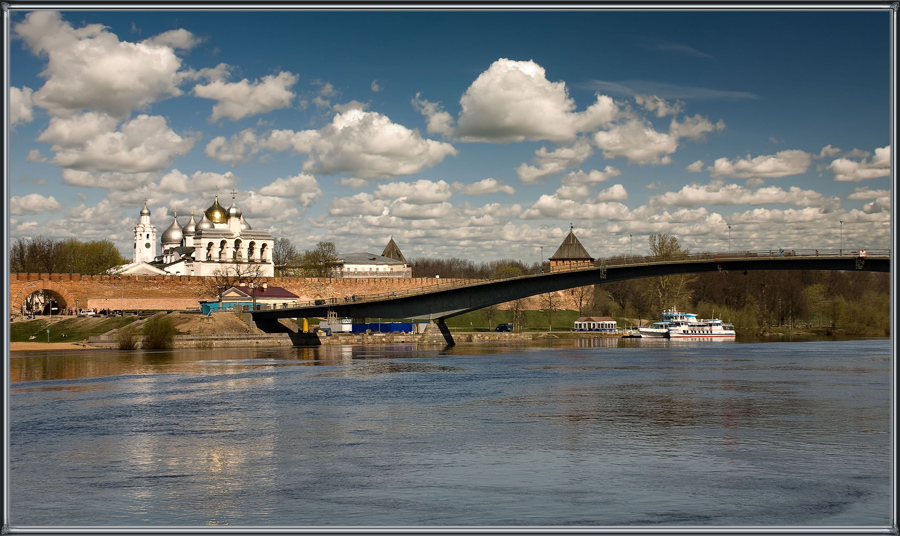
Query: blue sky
pixel 481 135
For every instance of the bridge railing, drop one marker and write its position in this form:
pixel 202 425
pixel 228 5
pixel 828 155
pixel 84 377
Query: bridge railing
pixel 610 262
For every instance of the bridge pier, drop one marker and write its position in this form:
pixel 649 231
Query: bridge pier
pixel 437 334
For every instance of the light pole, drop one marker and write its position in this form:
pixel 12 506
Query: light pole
pixel 729 238
pixel 841 251
pixel 542 259
pixel 631 250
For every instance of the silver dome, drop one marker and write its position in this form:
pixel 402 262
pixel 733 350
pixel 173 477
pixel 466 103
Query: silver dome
pixel 145 211
pixel 173 234
pixel 233 211
pixel 191 228
pixel 205 223
pixel 244 225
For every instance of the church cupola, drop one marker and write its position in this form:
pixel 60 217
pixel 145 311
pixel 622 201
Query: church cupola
pixel 215 213
pixel 173 235
pixel 144 238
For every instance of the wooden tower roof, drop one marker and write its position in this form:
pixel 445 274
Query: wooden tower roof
pixel 391 251
pixel 571 249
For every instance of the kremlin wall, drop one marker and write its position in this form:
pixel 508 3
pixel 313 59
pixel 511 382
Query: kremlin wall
pixel 146 293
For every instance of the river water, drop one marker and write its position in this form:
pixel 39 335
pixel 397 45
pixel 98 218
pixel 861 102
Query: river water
pixel 592 432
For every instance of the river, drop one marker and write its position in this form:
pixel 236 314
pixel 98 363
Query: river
pixel 591 432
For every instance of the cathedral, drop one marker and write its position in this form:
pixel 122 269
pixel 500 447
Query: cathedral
pixel 221 242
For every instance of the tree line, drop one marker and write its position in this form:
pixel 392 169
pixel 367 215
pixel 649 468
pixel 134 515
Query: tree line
pixel 46 255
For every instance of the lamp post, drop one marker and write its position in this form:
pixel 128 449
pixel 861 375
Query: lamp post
pixel 729 238
pixel 841 251
pixel 631 250
pixel 541 266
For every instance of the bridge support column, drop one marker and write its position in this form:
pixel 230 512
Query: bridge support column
pixel 437 334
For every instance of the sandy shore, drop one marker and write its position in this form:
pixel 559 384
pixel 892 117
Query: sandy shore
pixel 25 346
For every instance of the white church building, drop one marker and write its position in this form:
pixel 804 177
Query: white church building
pixel 221 242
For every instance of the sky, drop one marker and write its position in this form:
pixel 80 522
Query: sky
pixel 482 135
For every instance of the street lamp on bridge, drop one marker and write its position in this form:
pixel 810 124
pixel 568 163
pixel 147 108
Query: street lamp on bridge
pixel 729 238
pixel 841 251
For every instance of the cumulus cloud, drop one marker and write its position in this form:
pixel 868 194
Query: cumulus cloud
pixel 89 142
pixel 845 169
pixel 268 208
pixel 179 38
pixel 696 167
pixel 303 187
pixel 366 144
pixel 662 108
pixel 553 207
pixel 236 150
pixel 35 155
pixel 201 181
pixel 615 192
pixel 781 164
pixel 882 204
pixel 484 186
pixel 550 162
pixel 240 99
pixel 591 177
pixel 420 192
pixel 866 193
pixel 20 106
pixel 361 204
pixel 637 141
pixel 717 193
pixel 513 101
pixel 109 180
pixel 89 68
pixel 32 204
pixel 828 150
pixel 439 121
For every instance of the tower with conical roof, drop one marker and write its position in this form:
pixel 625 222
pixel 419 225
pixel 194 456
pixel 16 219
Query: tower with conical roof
pixel 571 254
pixel 391 251
pixel 144 238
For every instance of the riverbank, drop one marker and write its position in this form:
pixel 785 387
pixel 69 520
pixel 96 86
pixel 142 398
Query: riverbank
pixel 44 346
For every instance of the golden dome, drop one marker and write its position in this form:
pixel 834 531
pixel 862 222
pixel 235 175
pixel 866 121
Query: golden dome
pixel 216 213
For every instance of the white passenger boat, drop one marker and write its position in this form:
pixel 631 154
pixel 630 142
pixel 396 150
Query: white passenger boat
pixel 670 317
pixel 703 329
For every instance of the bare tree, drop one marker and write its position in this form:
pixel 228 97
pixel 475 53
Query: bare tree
pixel 230 275
pixel 581 295
pixel 548 307
pixel 319 262
pixel 668 291
pixel 283 254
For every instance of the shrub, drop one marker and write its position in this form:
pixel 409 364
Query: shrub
pixel 159 332
pixel 127 337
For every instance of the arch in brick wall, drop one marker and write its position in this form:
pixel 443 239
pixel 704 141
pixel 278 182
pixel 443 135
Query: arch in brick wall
pixel 63 297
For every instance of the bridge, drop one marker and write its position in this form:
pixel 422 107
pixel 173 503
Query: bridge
pixel 438 302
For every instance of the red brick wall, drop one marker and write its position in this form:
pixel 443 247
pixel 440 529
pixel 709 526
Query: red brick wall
pixel 182 292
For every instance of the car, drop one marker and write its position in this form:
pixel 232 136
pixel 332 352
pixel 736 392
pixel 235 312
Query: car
pixel 504 327
pixel 86 312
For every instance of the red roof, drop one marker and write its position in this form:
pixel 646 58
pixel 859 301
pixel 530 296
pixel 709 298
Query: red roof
pixel 266 292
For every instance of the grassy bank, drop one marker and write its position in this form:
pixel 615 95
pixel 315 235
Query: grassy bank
pixel 76 329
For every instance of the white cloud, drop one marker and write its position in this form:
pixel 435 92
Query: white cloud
pixel 850 170
pixel 366 144
pixel 417 193
pixel 236 150
pixel 513 101
pixel 418 211
pixel 653 103
pixel 638 142
pixel 201 181
pixel 268 208
pixel 35 155
pixel 439 121
pixel 828 150
pixel 361 204
pixel 696 167
pixel 89 68
pixel 179 38
pixel 89 143
pixel 376 86
pixel 781 164
pixel 553 207
pixel 241 99
pixel 550 162
pixel 882 204
pixel 302 186
pixel 615 192
pixel 32 204
pixel 866 193
pixel 591 177
pixel 109 180
pixel 20 106
pixel 572 191
pixel 717 193
pixel 484 186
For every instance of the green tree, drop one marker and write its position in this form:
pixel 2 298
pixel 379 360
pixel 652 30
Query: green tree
pixel 283 254
pixel 321 261
pixel 159 332
pixel 671 290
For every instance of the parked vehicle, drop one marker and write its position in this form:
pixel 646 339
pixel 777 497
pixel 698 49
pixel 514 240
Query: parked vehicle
pixel 504 327
pixel 86 312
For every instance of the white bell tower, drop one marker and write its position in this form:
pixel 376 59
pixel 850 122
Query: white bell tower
pixel 144 238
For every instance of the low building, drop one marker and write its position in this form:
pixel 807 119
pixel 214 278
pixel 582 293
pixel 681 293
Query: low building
pixel 603 324
pixel 571 254
pixel 243 295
